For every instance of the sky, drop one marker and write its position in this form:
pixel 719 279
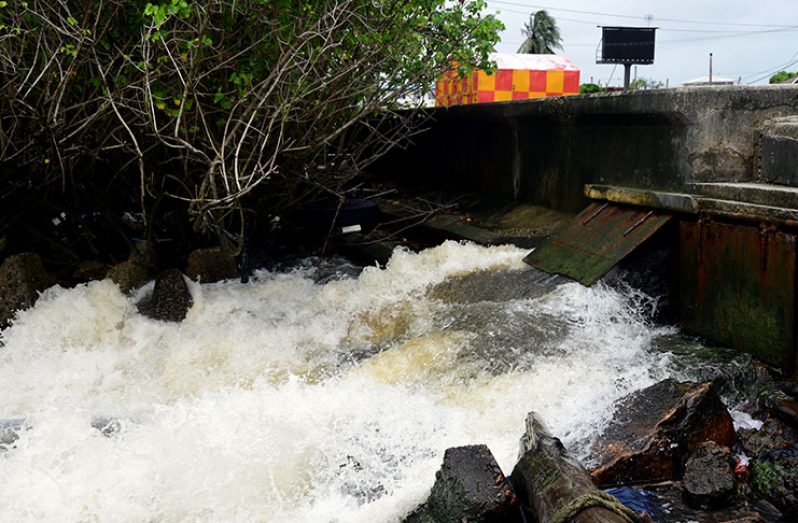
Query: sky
pixel 749 40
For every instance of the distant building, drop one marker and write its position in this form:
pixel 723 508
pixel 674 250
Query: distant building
pixel 704 80
pixel 518 77
pixel 793 80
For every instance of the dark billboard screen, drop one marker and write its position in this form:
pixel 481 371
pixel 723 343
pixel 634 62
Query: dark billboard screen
pixel 627 45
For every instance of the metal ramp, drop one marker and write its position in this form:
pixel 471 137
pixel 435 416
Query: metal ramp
pixel 596 240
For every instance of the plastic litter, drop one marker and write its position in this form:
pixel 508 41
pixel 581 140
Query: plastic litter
pixel 789 451
pixel 638 500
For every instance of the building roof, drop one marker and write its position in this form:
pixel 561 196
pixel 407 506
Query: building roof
pixel 793 80
pixel 704 80
pixel 535 62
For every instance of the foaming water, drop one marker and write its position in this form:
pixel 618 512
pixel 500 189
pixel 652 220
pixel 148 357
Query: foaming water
pixel 292 399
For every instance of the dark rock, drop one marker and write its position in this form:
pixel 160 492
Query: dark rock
pixel 9 432
pixel 709 480
pixel 775 477
pixel 767 511
pixel 170 300
pixel 420 515
pixel 22 278
pixel 469 487
pixel 674 509
pixel 137 270
pixel 107 426
pixel 90 271
pixel 211 265
pixel 785 408
pixel 656 429
pixel 773 434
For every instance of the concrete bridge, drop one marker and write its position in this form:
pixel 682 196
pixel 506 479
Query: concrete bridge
pixel 720 164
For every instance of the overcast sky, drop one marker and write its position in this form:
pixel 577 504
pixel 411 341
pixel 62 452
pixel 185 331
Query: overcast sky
pixel 749 39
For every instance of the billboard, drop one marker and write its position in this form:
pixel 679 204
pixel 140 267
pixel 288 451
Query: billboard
pixel 627 45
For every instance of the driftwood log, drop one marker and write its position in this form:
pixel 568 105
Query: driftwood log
pixel 555 487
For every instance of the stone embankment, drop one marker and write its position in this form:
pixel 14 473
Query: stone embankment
pixel 23 278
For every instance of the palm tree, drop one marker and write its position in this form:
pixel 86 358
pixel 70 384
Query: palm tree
pixel 542 35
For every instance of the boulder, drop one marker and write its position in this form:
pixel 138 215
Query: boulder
pixel 775 477
pixel 22 278
pixel 211 265
pixel 709 480
pixel 469 487
pixel 773 434
pixel 137 270
pixel 656 429
pixel 170 300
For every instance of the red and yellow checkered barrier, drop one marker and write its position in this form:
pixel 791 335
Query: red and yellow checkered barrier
pixel 504 85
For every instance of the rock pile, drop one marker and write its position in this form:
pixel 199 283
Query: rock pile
pixel 674 442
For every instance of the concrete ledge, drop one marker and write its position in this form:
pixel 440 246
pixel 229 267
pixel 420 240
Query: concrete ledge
pixel 693 204
pixel 758 193
pixel 669 201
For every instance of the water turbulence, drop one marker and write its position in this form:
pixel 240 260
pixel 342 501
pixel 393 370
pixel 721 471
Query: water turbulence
pixel 298 399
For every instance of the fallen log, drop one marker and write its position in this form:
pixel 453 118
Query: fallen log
pixel 555 487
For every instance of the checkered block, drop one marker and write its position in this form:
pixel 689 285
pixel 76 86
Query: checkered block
pixel 505 85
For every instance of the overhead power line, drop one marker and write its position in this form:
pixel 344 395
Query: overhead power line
pixel 642 17
pixel 774 71
pixel 725 33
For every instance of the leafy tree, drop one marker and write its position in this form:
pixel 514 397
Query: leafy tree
pixel 782 76
pixel 644 83
pixel 215 105
pixel 542 35
pixel 589 88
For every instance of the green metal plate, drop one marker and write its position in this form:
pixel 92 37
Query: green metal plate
pixel 598 238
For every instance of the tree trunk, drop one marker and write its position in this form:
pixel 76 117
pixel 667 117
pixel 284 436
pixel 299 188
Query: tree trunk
pixel 556 488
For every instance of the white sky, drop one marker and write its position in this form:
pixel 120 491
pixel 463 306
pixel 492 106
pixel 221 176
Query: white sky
pixel 749 39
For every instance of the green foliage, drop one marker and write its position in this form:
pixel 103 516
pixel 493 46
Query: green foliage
pixel 645 83
pixel 782 76
pixel 161 12
pixel 219 103
pixel 763 477
pixel 542 35
pixel 589 88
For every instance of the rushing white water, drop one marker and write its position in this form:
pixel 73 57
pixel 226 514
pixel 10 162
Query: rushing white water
pixel 289 400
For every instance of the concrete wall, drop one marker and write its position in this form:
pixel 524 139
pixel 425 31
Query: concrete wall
pixel 544 151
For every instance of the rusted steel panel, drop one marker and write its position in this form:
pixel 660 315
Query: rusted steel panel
pixel 737 287
pixel 601 236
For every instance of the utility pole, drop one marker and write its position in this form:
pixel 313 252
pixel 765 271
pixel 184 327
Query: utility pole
pixel 710 68
pixel 627 72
